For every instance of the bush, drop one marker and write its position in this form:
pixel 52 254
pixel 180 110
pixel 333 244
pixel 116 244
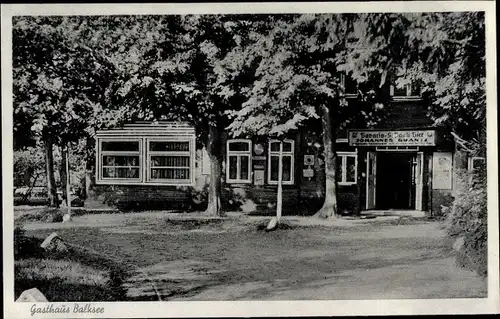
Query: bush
pixel 466 220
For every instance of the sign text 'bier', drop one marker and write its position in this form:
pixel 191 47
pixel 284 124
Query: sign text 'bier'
pixel 392 138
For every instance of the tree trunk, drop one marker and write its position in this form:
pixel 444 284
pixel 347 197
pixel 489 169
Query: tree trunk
pixel 51 181
pixel 329 208
pixel 214 189
pixel 62 173
pixel 68 181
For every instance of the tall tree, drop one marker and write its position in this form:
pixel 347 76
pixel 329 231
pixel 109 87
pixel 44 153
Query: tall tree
pixel 174 76
pixel 57 84
pixel 299 65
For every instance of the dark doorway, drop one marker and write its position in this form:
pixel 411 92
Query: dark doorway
pixel 395 180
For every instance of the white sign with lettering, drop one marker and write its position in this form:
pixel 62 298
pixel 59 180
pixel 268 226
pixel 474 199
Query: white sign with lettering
pixel 392 138
pixel 442 170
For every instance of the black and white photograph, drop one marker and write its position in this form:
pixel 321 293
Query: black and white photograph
pixel 266 158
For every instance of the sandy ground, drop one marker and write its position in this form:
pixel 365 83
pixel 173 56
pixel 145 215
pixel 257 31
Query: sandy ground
pixel 173 257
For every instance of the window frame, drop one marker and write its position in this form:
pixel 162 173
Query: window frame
pixel 343 81
pixel 192 161
pixel 470 165
pixel 238 155
pixel 409 92
pixel 343 179
pixel 276 153
pixel 144 162
pixel 100 155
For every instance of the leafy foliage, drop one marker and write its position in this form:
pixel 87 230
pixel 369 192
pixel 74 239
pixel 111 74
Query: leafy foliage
pixel 298 63
pixel 58 81
pixel 444 52
pixel 29 166
pixel 467 220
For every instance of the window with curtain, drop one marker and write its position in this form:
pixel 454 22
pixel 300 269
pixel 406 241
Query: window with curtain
pixel 120 159
pixel 170 161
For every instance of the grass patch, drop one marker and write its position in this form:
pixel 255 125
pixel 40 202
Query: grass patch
pixel 46 214
pixel 63 280
pixel 75 275
pixel 189 224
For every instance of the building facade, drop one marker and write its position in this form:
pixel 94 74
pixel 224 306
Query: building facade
pixel 403 164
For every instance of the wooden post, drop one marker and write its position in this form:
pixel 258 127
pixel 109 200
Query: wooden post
pixel 68 195
pixel 280 181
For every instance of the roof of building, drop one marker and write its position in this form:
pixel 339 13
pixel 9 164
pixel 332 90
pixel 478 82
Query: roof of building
pixel 150 128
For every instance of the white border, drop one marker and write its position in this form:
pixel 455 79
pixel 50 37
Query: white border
pixel 259 308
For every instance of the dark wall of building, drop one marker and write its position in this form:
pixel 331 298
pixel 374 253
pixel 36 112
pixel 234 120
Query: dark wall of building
pixel 304 197
pixel 406 113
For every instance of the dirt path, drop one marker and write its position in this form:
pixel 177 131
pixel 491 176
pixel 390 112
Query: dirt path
pixel 230 259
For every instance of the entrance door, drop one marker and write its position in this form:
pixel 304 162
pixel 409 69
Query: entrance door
pixel 396 180
pixel 371 179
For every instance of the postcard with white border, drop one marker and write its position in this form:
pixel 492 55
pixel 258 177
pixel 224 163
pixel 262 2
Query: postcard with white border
pixel 249 159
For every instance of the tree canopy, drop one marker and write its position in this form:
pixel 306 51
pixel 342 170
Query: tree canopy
pixel 252 74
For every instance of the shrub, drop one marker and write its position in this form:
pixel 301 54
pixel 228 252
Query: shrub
pixel 466 220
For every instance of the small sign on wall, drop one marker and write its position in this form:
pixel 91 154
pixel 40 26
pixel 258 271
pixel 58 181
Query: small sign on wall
pixel 308 172
pixel 258 149
pixel 308 160
pixel 258 177
pixel 259 158
pixel 442 170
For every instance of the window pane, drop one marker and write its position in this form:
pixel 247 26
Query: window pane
pixel 400 91
pixel 120 172
pixel 244 167
pixel 275 146
pixel 239 146
pixel 233 162
pixel 415 89
pixel 351 86
pixel 274 168
pixel 120 160
pixel 339 169
pixel 172 161
pixel 170 173
pixel 287 147
pixel 351 169
pixel 169 146
pixel 119 146
pixel 287 168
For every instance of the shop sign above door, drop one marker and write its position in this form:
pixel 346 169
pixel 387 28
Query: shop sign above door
pixel 392 138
